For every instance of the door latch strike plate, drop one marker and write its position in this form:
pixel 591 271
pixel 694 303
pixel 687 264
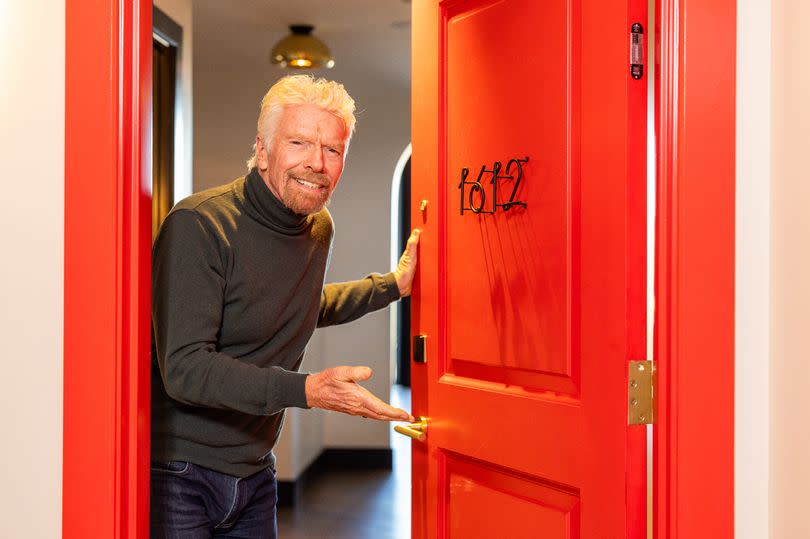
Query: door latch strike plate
pixel 641 393
pixel 419 352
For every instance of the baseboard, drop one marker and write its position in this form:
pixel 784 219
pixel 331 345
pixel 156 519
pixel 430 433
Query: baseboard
pixel 334 458
pixel 290 492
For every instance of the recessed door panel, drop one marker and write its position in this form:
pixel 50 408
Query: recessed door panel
pixel 511 118
pixel 484 501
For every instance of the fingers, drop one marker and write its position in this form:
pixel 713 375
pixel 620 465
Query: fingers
pixel 377 409
pixel 340 392
pixel 402 415
pixel 413 239
pixel 406 268
pixel 409 255
pixel 360 374
pixel 352 374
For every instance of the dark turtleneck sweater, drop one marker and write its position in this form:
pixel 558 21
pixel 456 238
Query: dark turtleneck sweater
pixel 237 291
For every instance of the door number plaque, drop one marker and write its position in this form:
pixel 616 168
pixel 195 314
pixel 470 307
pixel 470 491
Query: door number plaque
pixel 474 194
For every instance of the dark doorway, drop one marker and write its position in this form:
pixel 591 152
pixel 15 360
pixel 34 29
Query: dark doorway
pixel 404 306
pixel 166 40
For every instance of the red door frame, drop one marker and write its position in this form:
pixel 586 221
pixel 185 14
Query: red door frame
pixel 105 479
pixel 108 70
pixel 695 236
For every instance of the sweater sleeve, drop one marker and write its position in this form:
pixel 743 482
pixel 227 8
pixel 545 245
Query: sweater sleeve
pixel 345 302
pixel 188 283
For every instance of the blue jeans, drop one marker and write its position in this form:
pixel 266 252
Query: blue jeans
pixel 192 502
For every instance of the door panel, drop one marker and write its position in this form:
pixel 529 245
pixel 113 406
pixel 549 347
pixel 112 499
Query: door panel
pixel 531 279
pixel 510 303
pixel 478 488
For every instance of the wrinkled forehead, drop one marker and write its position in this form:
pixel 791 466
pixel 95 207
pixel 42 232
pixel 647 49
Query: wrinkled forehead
pixel 312 121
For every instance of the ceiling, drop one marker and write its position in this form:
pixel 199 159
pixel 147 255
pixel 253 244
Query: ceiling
pixel 368 38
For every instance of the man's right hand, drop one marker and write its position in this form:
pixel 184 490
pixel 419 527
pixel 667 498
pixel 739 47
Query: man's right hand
pixel 337 389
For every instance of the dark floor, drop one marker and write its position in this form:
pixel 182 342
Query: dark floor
pixel 357 504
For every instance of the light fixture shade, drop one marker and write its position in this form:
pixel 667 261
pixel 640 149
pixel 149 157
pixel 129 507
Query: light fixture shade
pixel 301 50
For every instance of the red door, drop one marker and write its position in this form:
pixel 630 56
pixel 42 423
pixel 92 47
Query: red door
pixel 531 286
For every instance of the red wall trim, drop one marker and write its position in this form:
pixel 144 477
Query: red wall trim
pixel 107 243
pixel 694 342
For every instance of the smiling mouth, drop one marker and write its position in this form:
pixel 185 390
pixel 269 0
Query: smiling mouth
pixel 309 185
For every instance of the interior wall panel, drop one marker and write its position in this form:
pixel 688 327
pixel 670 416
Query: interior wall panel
pixel 32 106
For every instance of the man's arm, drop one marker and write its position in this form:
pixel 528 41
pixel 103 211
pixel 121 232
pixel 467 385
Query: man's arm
pixel 345 302
pixel 337 388
pixel 188 282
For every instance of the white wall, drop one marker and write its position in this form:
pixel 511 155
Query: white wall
pixel 361 209
pixel 773 271
pixel 790 271
pixel 302 438
pixel 32 108
pixel 180 11
pixel 752 269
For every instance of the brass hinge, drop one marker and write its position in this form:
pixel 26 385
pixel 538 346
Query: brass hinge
pixel 641 393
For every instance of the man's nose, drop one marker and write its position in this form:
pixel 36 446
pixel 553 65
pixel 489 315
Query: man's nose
pixel 315 159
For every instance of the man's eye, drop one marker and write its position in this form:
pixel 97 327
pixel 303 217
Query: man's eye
pixel 296 142
pixel 333 151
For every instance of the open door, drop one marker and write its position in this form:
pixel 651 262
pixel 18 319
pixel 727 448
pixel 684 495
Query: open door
pixel 529 184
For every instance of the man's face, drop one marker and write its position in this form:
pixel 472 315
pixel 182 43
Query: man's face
pixel 304 160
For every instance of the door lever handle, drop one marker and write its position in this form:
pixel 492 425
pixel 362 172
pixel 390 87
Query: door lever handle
pixel 417 431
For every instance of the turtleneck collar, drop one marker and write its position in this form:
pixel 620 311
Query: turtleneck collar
pixel 263 206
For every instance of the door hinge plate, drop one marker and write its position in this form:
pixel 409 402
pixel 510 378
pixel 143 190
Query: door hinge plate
pixel 637 51
pixel 641 393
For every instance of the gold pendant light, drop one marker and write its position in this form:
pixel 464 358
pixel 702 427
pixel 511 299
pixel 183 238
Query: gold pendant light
pixel 301 50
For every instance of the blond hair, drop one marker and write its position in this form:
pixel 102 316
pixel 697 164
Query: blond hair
pixel 302 90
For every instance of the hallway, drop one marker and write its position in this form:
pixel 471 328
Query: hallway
pixel 356 504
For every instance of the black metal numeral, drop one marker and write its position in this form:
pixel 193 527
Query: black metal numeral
pixel 477 188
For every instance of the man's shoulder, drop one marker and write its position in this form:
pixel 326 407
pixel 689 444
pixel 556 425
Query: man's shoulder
pixel 216 198
pixel 323 227
pixel 216 209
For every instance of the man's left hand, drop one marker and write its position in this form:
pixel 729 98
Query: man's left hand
pixel 406 268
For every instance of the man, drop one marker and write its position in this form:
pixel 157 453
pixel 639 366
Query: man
pixel 238 289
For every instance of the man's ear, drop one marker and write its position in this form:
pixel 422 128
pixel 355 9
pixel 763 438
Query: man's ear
pixel 261 154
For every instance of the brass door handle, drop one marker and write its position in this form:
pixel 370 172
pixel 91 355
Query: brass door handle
pixel 417 431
